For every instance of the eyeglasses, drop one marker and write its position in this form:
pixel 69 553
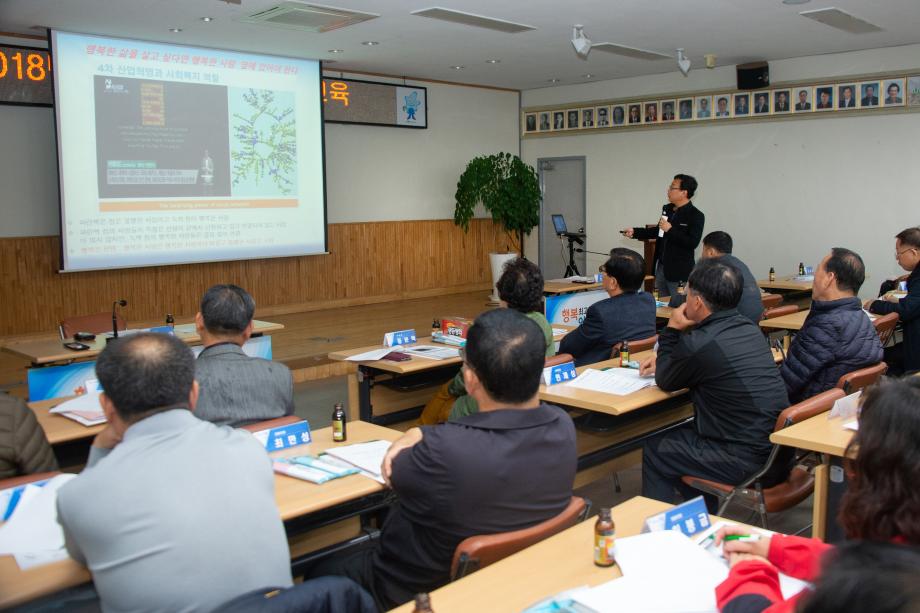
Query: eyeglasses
pixel 898 254
pixel 671 188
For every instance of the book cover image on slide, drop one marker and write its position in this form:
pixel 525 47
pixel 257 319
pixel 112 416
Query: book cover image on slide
pixel 263 142
pixel 161 139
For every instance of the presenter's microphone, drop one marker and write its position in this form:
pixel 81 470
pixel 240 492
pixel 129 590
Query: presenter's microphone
pixel 115 305
pixel 664 216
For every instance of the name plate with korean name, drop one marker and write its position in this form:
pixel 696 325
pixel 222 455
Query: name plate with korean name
pixel 560 373
pixel 689 517
pixel 400 337
pixel 284 437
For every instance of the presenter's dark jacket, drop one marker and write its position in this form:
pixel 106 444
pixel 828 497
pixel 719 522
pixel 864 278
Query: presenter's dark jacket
pixel 629 316
pixel 490 472
pixel 675 248
pixel 751 304
pixel 835 339
pixel 735 386
pixel 908 310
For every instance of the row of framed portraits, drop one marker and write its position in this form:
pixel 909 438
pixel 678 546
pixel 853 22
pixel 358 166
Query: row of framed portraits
pixel 759 103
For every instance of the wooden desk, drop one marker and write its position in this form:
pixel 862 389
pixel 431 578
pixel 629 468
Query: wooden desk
pixel 59 429
pixel 559 563
pixel 826 436
pixel 50 350
pixel 303 506
pixel 788 284
pixel 561 286
pixel 793 321
pixel 399 406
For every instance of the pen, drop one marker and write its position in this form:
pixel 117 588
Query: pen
pixel 742 538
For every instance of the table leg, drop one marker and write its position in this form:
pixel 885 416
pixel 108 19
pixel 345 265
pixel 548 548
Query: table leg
pixel 365 381
pixel 354 399
pixel 819 508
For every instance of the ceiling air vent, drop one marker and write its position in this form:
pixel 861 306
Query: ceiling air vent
pixel 841 20
pixel 308 17
pixel 470 19
pixel 639 54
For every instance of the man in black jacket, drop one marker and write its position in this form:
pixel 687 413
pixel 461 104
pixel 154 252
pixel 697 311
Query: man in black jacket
pixel 905 356
pixel 625 316
pixel 735 387
pixel 836 337
pixel 678 233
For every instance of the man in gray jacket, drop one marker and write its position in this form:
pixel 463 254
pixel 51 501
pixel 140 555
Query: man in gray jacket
pixel 171 513
pixel 236 389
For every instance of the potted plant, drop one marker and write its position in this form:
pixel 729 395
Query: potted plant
pixel 509 191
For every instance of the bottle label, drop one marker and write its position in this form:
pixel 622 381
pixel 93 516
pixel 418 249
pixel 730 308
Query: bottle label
pixel 624 359
pixel 338 430
pixel 603 549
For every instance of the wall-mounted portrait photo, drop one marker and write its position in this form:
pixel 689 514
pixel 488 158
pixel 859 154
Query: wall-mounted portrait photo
pixel 559 120
pixel 913 91
pixel 635 113
pixel 587 118
pixel 846 96
pixel 530 122
pixel 704 107
pixel 762 103
pixel 618 115
pixel 893 92
pixel 650 112
pixel 868 94
pixel 781 101
pixel 571 121
pixel 685 109
pixel 802 100
pixel 544 122
pixel 667 110
pixel 722 110
pixel 824 98
pixel 603 116
pixel 742 105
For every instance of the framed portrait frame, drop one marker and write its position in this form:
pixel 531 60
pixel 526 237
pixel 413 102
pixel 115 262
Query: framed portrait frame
pixel 703 108
pixel 844 103
pixel 741 104
pixel 634 118
pixel 913 90
pixel 685 109
pixel 803 106
pixel 760 103
pixel 869 94
pixel 530 123
pixel 587 117
pixel 723 106
pixel 572 119
pixel 781 101
pixel 602 116
pixel 885 94
pixel 820 105
pixel 668 111
pixel 618 111
pixel 650 112
pixel 545 123
pixel 558 121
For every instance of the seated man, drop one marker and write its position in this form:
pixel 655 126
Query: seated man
pixel 236 389
pixel 837 337
pixel 627 315
pixel 735 387
pixel 172 513
pixel 508 467
pixel 904 357
pixel 24 449
pixel 718 244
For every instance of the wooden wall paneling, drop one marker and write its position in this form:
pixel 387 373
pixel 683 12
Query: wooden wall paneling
pixel 368 262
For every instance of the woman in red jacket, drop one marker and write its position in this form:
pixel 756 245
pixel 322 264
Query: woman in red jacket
pixel 881 504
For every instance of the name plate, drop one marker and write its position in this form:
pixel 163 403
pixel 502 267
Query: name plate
pixel 560 373
pixel 689 517
pixel 400 337
pixel 284 437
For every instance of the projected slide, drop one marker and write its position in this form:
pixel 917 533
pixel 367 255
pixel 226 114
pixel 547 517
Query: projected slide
pixel 177 154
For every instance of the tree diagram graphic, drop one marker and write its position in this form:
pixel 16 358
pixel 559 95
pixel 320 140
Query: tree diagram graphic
pixel 267 142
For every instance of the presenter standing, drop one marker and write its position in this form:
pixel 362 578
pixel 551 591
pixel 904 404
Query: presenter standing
pixel 678 234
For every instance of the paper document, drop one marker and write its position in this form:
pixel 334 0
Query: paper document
pixel 618 381
pixel 852 425
pixel 32 534
pixel 366 457
pixel 370 356
pixel 433 353
pixel 84 409
pixel 560 331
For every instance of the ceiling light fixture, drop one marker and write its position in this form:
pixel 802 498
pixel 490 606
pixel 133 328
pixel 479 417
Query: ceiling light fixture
pixel 458 67
pixel 207 19
pixel 581 42
pixel 710 60
pixel 588 76
pixel 175 30
pixel 493 61
pixel 683 62
pixel 796 1
pixel 552 80
pixel 336 51
pixel 370 43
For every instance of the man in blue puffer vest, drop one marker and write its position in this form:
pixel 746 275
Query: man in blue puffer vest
pixel 837 337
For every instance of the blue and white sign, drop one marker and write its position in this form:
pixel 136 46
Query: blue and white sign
pixel 571 308
pixel 689 517
pixel 560 373
pixel 283 437
pixel 400 337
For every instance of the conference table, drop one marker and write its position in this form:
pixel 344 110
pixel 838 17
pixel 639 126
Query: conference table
pixel 45 351
pixel 314 516
pixel 554 287
pixel 791 283
pixel 825 435
pixel 562 562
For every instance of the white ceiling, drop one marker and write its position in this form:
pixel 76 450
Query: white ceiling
pixel 735 31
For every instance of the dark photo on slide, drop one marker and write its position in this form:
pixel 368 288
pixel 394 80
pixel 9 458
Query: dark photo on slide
pixel 160 139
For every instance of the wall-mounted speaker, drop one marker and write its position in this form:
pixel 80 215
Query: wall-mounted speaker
pixel 755 75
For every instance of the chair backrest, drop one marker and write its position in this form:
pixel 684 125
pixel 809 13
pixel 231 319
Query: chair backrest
pixel 770 301
pixel 272 423
pixel 817 404
pixel 864 377
pixel 788 309
pixel 479 551
pixel 95 324
pixel 635 346
pixel 885 326
pixel 23 479
pixel 559 358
